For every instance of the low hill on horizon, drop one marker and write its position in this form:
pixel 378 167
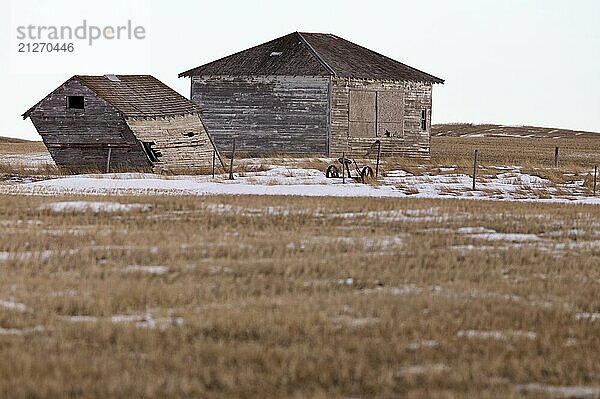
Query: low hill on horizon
pixel 472 130
pixel 14 140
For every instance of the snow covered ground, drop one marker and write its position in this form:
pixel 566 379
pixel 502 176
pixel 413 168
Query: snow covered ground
pixel 27 160
pixel 510 184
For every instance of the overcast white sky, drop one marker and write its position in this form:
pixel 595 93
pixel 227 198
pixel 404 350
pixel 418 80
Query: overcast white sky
pixel 507 62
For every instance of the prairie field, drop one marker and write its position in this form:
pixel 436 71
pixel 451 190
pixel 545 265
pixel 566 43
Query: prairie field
pixel 168 294
pixel 296 297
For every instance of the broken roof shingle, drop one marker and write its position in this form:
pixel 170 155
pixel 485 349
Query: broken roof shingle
pixel 312 54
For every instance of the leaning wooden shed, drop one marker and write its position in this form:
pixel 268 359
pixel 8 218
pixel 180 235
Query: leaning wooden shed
pixel 130 122
pixel 313 93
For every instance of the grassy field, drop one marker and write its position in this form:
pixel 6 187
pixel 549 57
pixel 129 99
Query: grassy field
pixel 507 145
pixel 246 296
pixel 25 147
pixel 297 297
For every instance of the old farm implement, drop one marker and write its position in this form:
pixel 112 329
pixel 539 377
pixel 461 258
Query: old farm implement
pixel 362 174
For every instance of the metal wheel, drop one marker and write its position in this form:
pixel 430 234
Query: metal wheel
pixel 366 174
pixel 332 172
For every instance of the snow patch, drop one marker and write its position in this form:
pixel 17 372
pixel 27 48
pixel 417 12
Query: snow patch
pixel 32 161
pixel 21 331
pixel 346 281
pixel 424 369
pixel 422 343
pixel 12 305
pixel 92 206
pixel 355 321
pixel 591 316
pixel 41 256
pixel 147 320
pixel 157 270
pixel 498 335
pixel 514 237
pixel 220 270
pixel 80 319
pixel 474 230
pixel 560 391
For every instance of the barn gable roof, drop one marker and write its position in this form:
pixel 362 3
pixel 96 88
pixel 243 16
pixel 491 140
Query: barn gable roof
pixel 136 95
pixel 312 54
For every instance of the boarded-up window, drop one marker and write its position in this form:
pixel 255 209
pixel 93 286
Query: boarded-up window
pixel 362 114
pixel 376 114
pixel 390 113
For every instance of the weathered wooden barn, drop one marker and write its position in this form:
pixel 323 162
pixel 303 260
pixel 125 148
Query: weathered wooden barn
pixel 314 93
pixel 129 122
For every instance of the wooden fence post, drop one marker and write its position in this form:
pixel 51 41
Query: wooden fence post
pixel 108 160
pixel 595 177
pixel 556 157
pixel 378 156
pixel 231 162
pixel 474 168
pixel 213 163
pixel 343 168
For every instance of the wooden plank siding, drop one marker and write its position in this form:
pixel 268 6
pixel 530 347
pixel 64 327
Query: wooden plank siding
pixel 292 95
pixel 267 115
pixel 79 139
pixel 407 139
pixel 181 139
pixel 127 117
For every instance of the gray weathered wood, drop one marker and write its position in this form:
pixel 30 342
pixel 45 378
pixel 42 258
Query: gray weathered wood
pixel 310 115
pixel 400 107
pixel 80 138
pixel 268 115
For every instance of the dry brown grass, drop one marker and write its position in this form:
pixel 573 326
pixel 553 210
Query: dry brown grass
pixel 535 152
pixel 532 155
pixel 26 147
pixel 263 287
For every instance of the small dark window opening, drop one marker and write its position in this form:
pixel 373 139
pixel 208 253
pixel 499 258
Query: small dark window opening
pixel 152 153
pixel 189 134
pixel 424 120
pixel 75 102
